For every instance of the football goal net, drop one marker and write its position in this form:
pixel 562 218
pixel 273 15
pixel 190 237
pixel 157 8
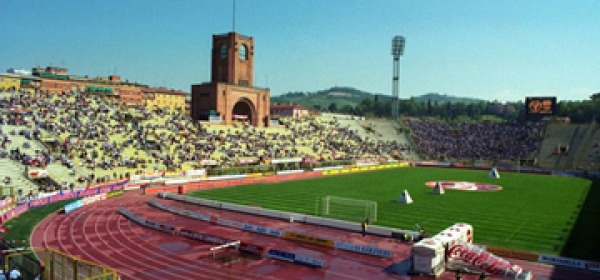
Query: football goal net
pixel 349 209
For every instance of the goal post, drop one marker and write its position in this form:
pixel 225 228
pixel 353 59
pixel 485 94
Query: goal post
pixel 351 209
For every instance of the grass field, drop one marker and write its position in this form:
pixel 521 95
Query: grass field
pixel 532 212
pixel 20 228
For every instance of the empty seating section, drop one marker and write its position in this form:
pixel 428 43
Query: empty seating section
pixel 560 145
pixel 380 131
pixel 590 157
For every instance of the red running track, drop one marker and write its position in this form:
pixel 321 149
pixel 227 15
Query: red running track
pixel 99 234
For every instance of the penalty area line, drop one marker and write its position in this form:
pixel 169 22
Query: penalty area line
pixel 517 229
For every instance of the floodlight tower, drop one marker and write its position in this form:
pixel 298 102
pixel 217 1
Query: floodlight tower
pixel 397 51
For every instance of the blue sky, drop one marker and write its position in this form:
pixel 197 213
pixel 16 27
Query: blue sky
pixel 502 50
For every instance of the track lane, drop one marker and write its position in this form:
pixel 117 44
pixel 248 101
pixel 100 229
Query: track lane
pixel 203 257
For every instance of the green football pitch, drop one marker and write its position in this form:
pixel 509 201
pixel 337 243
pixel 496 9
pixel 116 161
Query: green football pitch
pixel 532 212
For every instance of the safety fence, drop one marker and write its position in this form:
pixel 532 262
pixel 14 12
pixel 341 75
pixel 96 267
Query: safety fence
pixel 227 181
pixel 288 216
pixel 60 196
pixel 54 264
pixel 254 178
pixel 59 265
pixel 356 169
pixel 243 246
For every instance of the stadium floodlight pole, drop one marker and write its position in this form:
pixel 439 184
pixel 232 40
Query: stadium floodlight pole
pixel 397 51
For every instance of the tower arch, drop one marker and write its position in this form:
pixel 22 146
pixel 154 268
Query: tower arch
pixel 244 109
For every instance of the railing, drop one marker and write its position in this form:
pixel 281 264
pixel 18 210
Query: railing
pixel 236 170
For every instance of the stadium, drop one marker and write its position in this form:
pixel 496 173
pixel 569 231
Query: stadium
pixel 104 178
pixel 315 195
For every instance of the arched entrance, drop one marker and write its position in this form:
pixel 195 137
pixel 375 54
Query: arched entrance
pixel 243 111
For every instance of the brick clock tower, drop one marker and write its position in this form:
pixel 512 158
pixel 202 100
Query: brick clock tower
pixel 231 95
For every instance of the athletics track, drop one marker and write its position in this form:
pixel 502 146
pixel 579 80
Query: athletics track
pixel 99 234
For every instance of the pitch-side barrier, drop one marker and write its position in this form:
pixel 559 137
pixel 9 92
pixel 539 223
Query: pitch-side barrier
pixel 222 242
pixel 296 217
pixel 60 196
pixel 286 234
pixel 156 184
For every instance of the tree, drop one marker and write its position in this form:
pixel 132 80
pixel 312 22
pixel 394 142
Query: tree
pixel 365 106
pixel 411 107
pixel 382 109
pixel 332 107
pixel 347 109
pixel 429 109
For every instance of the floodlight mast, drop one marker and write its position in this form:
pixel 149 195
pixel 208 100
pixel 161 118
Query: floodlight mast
pixel 397 51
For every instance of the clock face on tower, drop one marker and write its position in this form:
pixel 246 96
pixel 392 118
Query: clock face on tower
pixel 243 52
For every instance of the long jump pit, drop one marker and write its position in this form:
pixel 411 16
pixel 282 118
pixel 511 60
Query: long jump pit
pixel 163 245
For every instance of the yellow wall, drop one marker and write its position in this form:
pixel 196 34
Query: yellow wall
pixel 162 100
pixel 8 82
pixel 148 102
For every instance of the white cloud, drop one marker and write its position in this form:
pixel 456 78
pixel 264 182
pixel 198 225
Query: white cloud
pixel 507 95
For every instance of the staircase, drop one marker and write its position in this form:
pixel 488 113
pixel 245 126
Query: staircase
pixel 588 155
pixel 575 144
pixel 560 135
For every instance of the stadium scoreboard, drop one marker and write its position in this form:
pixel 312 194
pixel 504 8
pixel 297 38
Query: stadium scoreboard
pixel 540 105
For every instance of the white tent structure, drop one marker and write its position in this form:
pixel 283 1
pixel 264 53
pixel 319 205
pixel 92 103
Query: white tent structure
pixel 438 189
pixel 405 198
pixel 494 173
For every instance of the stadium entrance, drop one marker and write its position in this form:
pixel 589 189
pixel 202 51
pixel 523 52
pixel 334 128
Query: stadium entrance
pixel 243 110
pixel 231 95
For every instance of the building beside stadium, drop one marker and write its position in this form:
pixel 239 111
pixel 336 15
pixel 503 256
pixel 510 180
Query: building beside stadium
pixel 9 82
pixel 289 110
pixel 164 98
pixel 57 80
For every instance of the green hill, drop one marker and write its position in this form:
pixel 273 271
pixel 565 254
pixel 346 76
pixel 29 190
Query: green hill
pixel 442 98
pixel 343 96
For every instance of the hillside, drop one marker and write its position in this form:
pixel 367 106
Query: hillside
pixel 343 96
pixel 442 98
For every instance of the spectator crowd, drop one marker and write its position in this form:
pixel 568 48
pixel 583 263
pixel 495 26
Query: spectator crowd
pixel 100 139
pixel 475 140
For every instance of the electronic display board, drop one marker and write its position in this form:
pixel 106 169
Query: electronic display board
pixel 540 105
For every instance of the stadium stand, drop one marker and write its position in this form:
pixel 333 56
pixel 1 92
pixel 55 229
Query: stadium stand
pixel 560 145
pixel 82 139
pixel 18 183
pixel 378 131
pixel 589 157
pixel 390 131
pixel 440 140
pixel 16 148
